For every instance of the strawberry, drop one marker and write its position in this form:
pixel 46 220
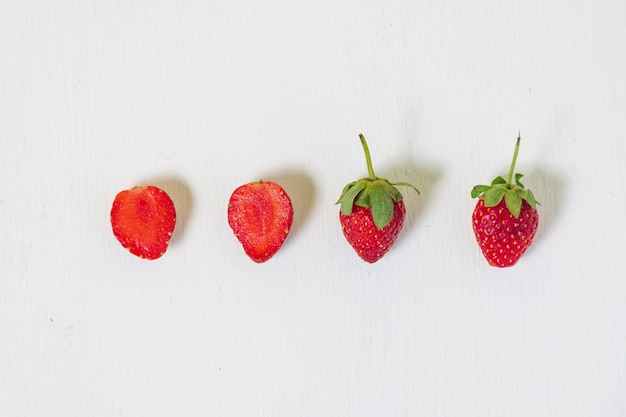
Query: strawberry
pixel 372 213
pixel 143 220
pixel 260 214
pixel 505 219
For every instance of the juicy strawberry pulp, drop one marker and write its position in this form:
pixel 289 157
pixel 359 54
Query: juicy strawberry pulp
pixel 260 214
pixel 502 237
pixel 368 241
pixel 143 220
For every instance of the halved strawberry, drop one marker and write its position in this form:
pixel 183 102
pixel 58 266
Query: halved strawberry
pixel 260 214
pixel 143 220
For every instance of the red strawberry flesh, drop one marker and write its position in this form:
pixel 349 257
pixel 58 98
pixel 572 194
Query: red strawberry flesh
pixel 143 220
pixel 260 214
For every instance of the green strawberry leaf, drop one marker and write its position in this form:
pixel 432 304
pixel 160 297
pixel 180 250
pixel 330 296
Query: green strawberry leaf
pixel 406 184
pixel 527 196
pixel 382 207
pixel 498 180
pixel 346 188
pixel 347 199
pixel 364 199
pixel 522 193
pixel 513 202
pixel 479 189
pixel 392 191
pixel 530 199
pixel 493 196
pixel 517 180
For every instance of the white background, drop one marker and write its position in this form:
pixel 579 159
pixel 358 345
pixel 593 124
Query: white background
pixel 199 97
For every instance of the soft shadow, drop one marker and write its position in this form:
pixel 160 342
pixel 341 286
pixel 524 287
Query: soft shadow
pixel 181 195
pixel 424 177
pixel 301 190
pixel 549 189
pixel 414 168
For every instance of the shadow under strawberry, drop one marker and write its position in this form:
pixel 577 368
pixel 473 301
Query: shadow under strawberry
pixel 427 176
pixel 551 186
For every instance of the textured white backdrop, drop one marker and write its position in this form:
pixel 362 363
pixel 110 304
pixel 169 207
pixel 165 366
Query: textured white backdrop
pixel 199 97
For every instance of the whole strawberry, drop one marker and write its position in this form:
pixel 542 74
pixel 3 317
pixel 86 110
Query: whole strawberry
pixel 372 213
pixel 505 219
pixel 143 220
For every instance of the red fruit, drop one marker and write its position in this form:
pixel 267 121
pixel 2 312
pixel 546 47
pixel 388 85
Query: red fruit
pixel 372 213
pixel 143 220
pixel 505 219
pixel 260 214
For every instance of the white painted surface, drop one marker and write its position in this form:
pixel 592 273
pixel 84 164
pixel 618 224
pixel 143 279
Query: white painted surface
pixel 201 96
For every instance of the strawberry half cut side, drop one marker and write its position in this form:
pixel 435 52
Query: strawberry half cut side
pixel 260 215
pixel 143 220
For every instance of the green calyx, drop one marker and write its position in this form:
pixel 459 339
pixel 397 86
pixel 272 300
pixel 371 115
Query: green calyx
pixel 374 192
pixel 513 193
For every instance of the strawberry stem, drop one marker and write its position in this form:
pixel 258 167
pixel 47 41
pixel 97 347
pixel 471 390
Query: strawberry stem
pixel 510 176
pixel 368 159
